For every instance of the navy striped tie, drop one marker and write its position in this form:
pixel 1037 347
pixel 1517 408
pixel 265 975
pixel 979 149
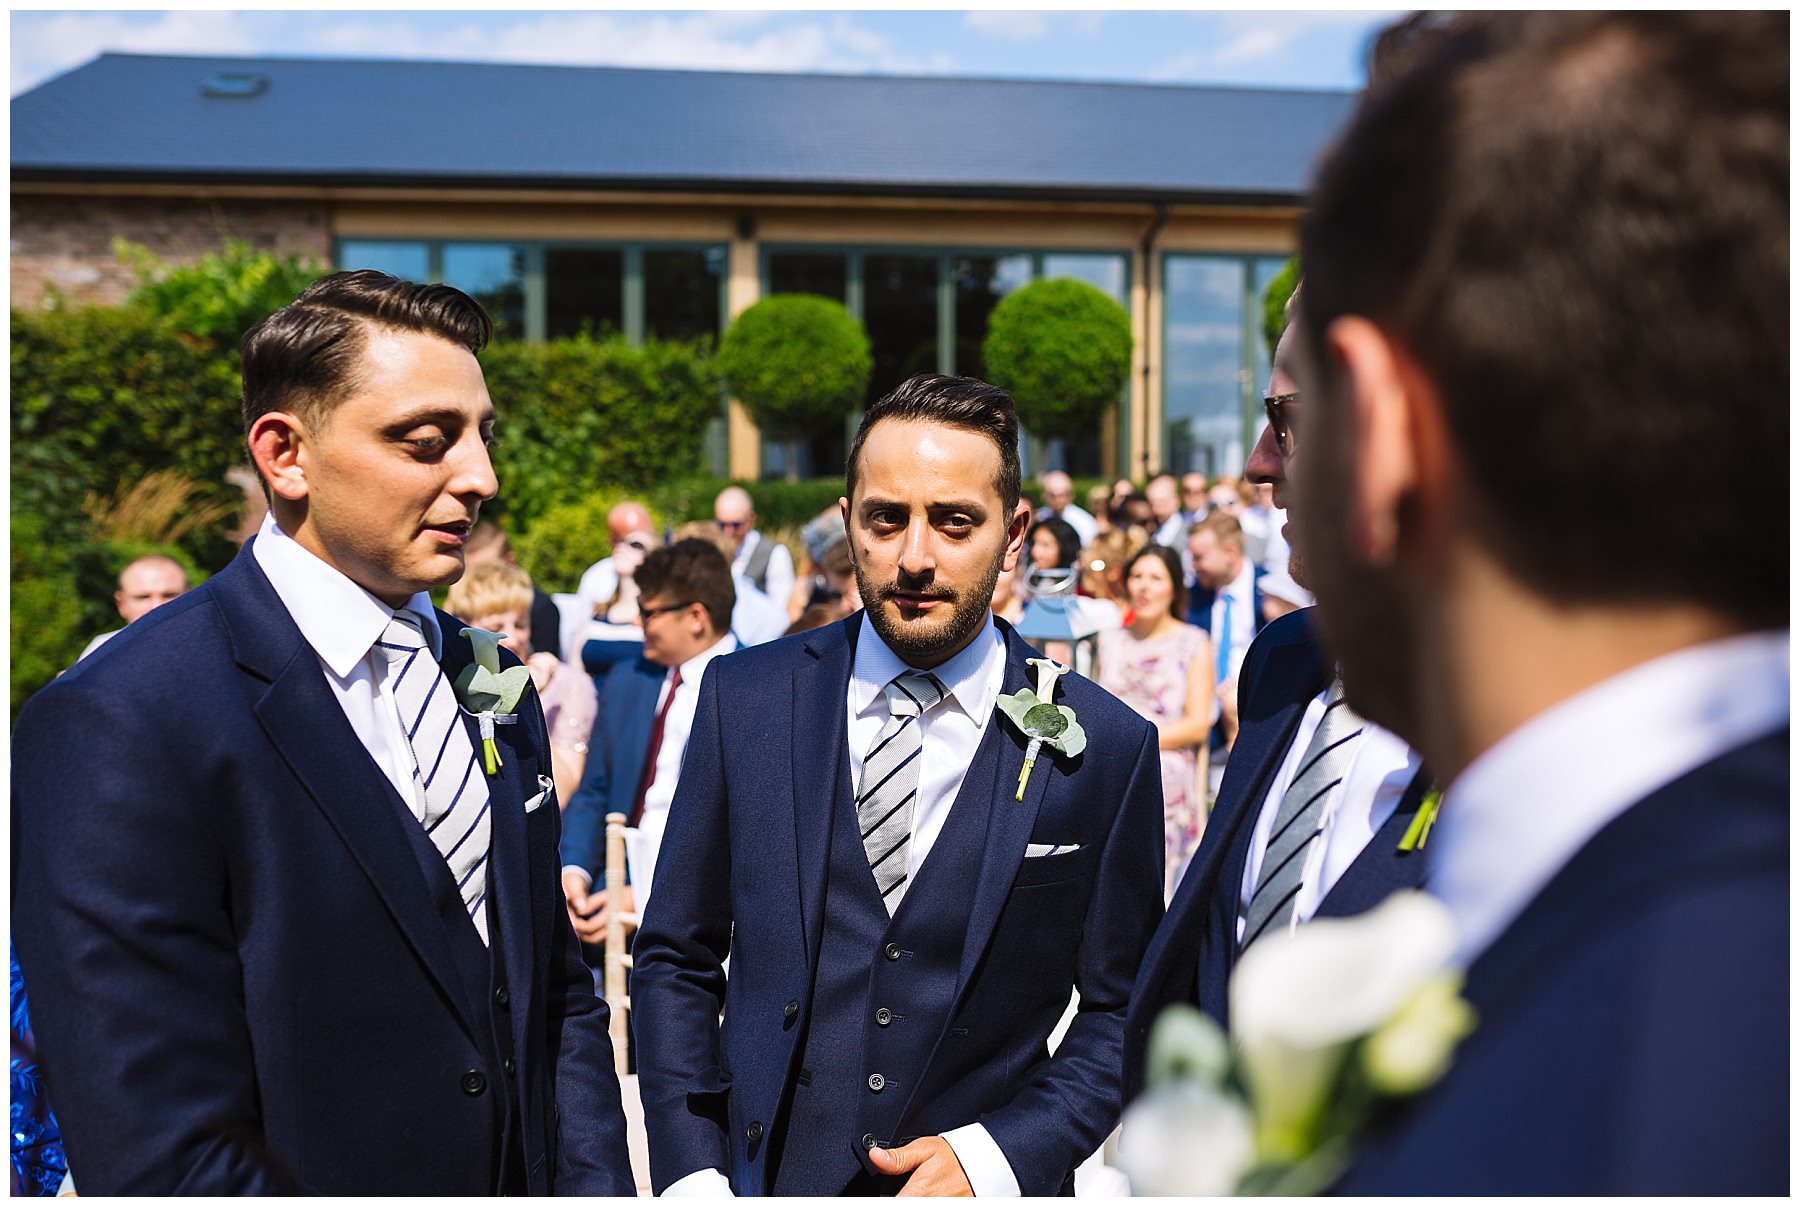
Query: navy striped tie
pixel 450 793
pixel 890 782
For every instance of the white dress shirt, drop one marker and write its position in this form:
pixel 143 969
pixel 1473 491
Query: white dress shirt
pixel 778 578
pixel 1242 591
pixel 342 622
pixel 949 734
pixel 1381 768
pixel 1172 532
pixel 757 617
pixel 1527 805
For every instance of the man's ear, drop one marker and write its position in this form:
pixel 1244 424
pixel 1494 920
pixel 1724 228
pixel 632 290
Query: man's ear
pixel 1016 529
pixel 1396 428
pixel 278 443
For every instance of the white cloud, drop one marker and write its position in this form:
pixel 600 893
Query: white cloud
pixel 1012 24
pixel 44 44
pixel 1256 37
pixel 1175 68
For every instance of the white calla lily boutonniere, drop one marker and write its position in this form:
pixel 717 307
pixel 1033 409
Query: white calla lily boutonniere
pixel 1327 1023
pixel 1043 722
pixel 490 694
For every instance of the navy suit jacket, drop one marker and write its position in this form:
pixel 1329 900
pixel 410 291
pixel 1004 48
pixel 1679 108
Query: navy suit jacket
pixel 240 968
pixel 1194 950
pixel 1633 1021
pixel 615 762
pixel 743 870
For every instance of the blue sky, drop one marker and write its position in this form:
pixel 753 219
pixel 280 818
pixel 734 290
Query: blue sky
pixel 1270 49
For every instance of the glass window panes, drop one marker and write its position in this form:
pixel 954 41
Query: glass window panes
pixel 681 292
pixel 981 281
pixel 1204 374
pixel 823 273
pixel 900 310
pixel 1104 272
pixel 494 275
pixel 408 261
pixel 584 290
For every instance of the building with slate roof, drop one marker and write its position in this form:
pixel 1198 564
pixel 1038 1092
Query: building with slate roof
pixel 660 203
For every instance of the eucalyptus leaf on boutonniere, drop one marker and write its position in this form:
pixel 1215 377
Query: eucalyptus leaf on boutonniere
pixel 1042 721
pixel 492 695
pixel 1329 1022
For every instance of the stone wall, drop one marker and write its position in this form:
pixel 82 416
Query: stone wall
pixel 66 241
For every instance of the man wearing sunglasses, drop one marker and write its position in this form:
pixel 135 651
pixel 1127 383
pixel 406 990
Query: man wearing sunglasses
pixel 685 598
pixel 1312 807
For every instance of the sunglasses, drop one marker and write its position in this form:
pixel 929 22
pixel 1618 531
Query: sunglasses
pixel 644 614
pixel 733 525
pixel 1280 410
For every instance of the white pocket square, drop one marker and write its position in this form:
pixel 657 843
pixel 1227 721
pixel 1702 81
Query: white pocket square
pixel 548 786
pixel 1037 850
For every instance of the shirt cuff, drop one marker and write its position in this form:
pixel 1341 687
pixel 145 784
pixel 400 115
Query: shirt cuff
pixel 990 1174
pixel 576 867
pixel 702 1183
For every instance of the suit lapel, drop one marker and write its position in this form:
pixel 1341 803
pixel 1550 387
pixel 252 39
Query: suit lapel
pixel 819 775
pixel 307 727
pixel 1382 868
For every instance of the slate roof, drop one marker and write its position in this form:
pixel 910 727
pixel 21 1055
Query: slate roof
pixel 366 122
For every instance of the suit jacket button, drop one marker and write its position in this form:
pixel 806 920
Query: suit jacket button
pixel 868 1140
pixel 876 1082
pixel 473 1084
pixel 507 1064
pixel 892 951
pixel 790 1012
pixel 754 1132
pixel 883 1017
pixel 502 998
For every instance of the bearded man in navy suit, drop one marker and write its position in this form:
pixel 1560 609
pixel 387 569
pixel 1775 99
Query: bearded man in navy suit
pixel 1546 272
pixel 284 930
pixel 906 903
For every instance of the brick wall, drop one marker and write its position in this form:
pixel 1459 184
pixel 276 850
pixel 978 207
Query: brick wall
pixel 67 241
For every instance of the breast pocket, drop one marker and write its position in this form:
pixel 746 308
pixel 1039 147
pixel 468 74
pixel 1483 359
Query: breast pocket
pixel 1057 869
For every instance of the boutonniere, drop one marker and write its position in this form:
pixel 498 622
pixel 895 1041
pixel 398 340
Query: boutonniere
pixel 490 694
pixel 1423 820
pixel 1042 722
pixel 1328 1023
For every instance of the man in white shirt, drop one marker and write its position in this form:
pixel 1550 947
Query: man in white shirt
pixel 891 1031
pixel 255 848
pixel 765 564
pixel 1222 570
pixel 146 583
pixel 641 730
pixel 1482 507
pixel 1169 526
pixel 1059 504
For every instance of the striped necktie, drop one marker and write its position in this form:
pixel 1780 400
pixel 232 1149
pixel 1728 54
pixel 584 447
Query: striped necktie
pixel 890 782
pixel 450 794
pixel 1298 822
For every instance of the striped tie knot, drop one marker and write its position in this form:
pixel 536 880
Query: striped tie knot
pixel 403 637
pixel 911 693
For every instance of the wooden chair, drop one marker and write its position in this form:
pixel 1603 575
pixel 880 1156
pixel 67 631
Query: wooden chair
pixel 613 978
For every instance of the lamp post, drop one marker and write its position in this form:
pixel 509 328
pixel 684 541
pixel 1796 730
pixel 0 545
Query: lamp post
pixel 1054 617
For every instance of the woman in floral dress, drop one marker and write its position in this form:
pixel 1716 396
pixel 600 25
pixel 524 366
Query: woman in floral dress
pixel 1162 667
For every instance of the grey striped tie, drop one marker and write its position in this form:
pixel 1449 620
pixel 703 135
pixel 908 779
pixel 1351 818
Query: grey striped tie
pixel 890 782
pixel 1297 822
pixel 450 793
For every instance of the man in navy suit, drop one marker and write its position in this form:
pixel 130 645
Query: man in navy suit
pixel 1545 272
pixel 284 931
pixel 906 905
pixel 1336 855
pixel 685 598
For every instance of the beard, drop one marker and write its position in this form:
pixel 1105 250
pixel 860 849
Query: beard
pixel 927 640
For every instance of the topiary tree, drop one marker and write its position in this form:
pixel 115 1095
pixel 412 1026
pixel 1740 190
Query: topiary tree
pixel 797 362
pixel 1275 299
pixel 1062 349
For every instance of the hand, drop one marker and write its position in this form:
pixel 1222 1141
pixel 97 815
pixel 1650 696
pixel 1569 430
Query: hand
pixel 587 911
pixel 543 669
pixel 933 1165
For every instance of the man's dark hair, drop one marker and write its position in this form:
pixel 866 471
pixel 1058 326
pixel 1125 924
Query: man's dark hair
pixel 1068 541
pixel 963 402
pixel 1172 563
pixel 303 358
pixel 1577 224
pixel 690 570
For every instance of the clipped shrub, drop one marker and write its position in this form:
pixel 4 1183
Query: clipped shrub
pixel 1275 299
pixel 798 362
pixel 1062 349
pixel 581 415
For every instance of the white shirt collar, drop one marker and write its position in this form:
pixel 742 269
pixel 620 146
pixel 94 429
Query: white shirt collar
pixel 694 667
pixel 1526 806
pixel 972 678
pixel 339 619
